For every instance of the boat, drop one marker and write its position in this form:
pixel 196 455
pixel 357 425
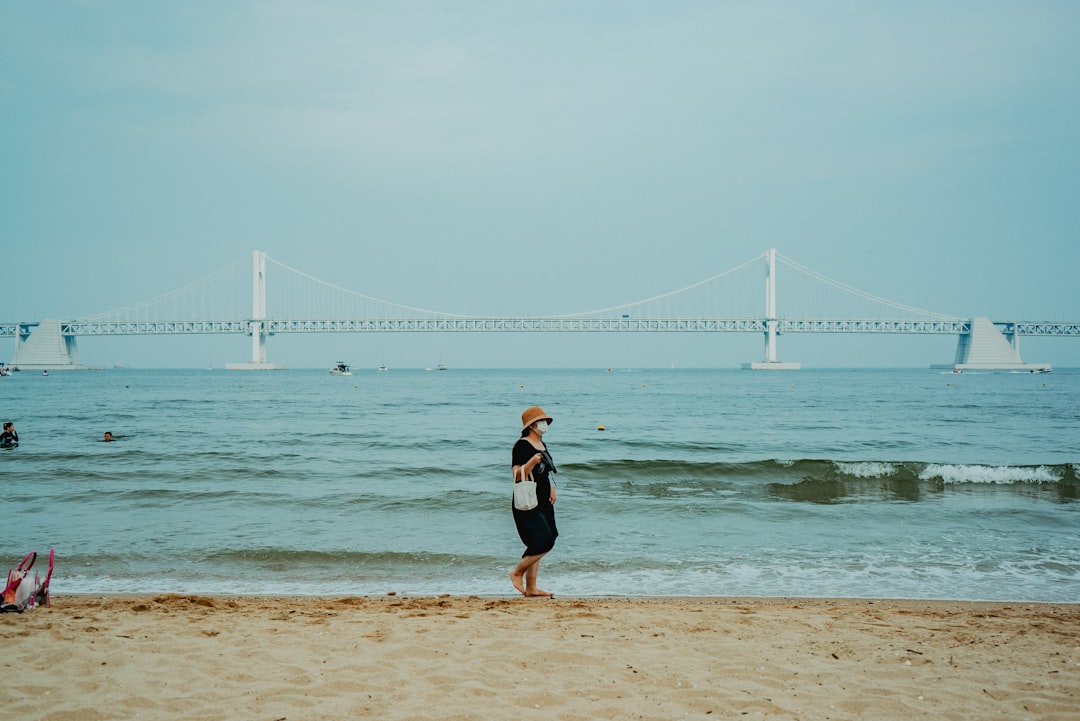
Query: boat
pixel 4 370
pixel 341 369
pixel 442 367
pixel 383 367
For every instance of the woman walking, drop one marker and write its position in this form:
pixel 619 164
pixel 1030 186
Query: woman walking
pixel 537 526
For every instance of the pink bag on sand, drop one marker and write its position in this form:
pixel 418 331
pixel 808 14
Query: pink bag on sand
pixel 25 587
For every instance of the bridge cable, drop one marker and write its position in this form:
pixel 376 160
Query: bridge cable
pixel 869 296
pixel 170 294
pixel 368 297
pixel 664 295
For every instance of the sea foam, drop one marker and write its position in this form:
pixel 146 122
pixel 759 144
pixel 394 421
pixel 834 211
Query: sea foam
pixel 953 474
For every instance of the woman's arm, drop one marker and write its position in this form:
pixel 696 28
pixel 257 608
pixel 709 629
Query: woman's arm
pixel 528 465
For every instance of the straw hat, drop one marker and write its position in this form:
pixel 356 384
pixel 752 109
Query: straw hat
pixel 533 414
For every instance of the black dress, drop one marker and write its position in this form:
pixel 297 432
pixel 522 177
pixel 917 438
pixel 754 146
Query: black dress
pixel 536 527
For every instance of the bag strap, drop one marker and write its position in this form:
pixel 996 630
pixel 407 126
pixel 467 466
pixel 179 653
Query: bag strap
pixel 31 557
pixel 523 477
pixel 43 590
pixel 48 576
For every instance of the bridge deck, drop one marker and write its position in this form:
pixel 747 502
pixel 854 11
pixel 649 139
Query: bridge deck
pixel 553 324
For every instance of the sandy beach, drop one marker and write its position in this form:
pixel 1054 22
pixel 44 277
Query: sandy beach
pixel 392 657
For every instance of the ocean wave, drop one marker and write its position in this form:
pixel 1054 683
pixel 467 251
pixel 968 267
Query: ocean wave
pixel 998 475
pixel 814 467
pixel 867 469
pixel 346 559
pixel 817 480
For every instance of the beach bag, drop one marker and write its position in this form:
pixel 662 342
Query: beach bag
pixel 26 588
pixel 524 492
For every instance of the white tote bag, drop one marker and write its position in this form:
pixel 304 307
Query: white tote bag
pixel 524 492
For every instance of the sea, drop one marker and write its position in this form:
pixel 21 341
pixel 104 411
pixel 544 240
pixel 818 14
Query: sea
pixel 864 483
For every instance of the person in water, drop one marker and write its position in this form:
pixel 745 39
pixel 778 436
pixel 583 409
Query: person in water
pixel 9 438
pixel 108 437
pixel 535 527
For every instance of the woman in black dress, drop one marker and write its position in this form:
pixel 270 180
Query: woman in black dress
pixel 536 527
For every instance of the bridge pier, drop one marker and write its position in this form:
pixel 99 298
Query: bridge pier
pixel 770 363
pixel 258 342
pixel 258 352
pixel 987 348
pixel 45 348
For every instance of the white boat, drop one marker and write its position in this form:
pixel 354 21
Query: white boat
pixel 341 369
pixel 383 368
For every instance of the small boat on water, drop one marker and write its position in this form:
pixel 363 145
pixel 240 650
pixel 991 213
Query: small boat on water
pixel 383 367
pixel 341 369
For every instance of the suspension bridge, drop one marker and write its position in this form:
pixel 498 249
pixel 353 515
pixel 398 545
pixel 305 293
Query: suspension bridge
pixel 238 300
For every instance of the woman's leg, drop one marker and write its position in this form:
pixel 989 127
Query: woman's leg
pixel 519 576
pixel 530 580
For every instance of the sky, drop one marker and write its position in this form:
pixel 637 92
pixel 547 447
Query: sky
pixel 534 158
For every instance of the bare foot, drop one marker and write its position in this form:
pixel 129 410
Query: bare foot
pixel 537 593
pixel 515 578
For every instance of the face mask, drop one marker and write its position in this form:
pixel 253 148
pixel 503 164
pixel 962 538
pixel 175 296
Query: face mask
pixel 541 426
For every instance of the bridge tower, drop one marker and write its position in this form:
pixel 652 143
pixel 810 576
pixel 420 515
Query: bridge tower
pixel 770 363
pixel 257 323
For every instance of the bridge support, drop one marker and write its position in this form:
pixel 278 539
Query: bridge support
pixel 770 363
pixel 45 348
pixel 258 316
pixel 987 348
